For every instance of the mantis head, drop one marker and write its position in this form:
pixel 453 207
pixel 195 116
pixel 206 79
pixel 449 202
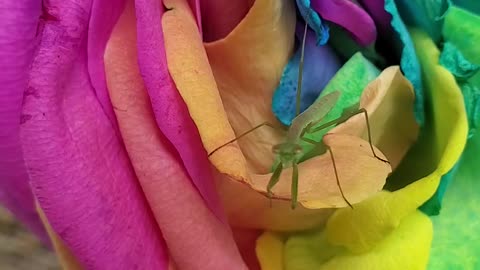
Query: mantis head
pixel 288 152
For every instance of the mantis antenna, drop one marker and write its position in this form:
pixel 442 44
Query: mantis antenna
pixel 300 71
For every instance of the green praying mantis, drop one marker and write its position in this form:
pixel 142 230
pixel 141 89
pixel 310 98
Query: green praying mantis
pixel 289 152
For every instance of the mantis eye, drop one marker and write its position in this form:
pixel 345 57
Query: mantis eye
pixel 276 149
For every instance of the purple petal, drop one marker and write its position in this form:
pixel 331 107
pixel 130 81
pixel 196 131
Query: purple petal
pixel 79 170
pixel 320 65
pixel 170 111
pixel 18 37
pixel 350 16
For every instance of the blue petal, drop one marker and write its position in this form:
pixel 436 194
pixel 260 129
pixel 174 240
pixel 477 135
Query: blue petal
pixel 409 61
pixel 425 14
pixel 314 21
pixel 471 5
pixel 320 66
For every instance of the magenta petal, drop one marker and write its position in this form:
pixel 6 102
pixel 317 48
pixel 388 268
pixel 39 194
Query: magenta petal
pixel 79 170
pixel 104 14
pixel 350 16
pixel 376 9
pixel 195 7
pixel 18 28
pixel 170 111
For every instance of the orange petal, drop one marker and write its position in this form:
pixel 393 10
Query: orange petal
pixel 359 172
pixel 247 78
pixel 189 67
pixel 389 102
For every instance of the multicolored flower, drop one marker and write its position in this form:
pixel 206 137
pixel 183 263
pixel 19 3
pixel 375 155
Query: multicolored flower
pixel 110 110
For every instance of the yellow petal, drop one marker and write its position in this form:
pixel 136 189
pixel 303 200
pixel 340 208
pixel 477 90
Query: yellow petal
pixel 405 248
pixel 269 251
pixel 372 220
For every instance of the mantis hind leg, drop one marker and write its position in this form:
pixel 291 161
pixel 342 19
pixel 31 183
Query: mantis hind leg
pixel 336 176
pixel 369 133
pixel 294 190
pixel 242 135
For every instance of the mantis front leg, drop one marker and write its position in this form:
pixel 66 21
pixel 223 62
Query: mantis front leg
pixel 310 129
pixel 334 167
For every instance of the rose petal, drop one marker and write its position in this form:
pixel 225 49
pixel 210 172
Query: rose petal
pixel 405 50
pixel 425 15
pixel 364 227
pixel 350 16
pixel 459 30
pixel 270 247
pixel 187 224
pixel 314 21
pixel 407 247
pixel 454 227
pixel 389 102
pixel 469 5
pixel 79 170
pixel 220 17
pixel 246 240
pixel 65 256
pixel 18 37
pixel 376 9
pixel 359 172
pixel 251 76
pixel 103 16
pixel 350 80
pixel 453 60
pixel 320 65
pixel 170 111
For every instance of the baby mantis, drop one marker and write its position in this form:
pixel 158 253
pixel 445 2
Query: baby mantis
pixel 289 152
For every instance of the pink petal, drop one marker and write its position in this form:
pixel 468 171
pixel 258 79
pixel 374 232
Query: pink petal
pixel 170 111
pixel 196 239
pixel 79 170
pixel 18 37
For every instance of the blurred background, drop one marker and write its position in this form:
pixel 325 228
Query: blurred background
pixel 20 250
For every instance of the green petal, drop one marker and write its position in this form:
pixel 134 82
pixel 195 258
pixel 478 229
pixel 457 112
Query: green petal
pixel 462 29
pixel 456 242
pixel 351 80
pixel 425 14
pixel 460 56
